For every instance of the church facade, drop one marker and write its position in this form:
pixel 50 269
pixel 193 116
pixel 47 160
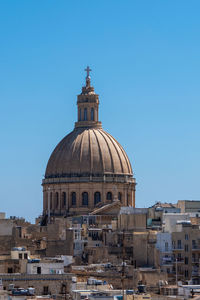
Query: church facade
pixel 88 168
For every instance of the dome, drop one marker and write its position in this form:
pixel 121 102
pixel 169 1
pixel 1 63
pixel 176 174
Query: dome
pixel 88 167
pixel 88 152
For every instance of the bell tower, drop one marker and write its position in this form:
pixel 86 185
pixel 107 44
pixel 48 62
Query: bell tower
pixel 88 105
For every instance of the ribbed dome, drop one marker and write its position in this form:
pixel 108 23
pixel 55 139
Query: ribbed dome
pixel 88 151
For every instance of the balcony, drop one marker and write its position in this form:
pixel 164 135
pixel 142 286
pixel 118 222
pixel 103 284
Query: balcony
pixel 195 273
pixel 167 261
pixel 195 248
pixel 195 261
pixel 179 260
pixel 178 248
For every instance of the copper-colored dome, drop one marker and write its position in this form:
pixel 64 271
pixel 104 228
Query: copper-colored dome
pixel 88 152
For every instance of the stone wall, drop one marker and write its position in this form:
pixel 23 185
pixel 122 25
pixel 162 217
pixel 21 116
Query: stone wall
pixel 53 282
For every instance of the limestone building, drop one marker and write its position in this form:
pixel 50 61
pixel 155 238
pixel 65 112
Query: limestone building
pixel 88 168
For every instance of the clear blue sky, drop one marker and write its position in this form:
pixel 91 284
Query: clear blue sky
pixel 145 57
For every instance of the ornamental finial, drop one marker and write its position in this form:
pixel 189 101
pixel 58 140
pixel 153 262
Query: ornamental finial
pixel 88 70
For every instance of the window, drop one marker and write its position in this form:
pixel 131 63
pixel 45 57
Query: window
pixel 63 199
pixel 179 258
pixel 166 246
pixel 25 256
pixel 179 269
pixel 109 196
pixel 85 114
pixel 79 117
pixel 51 201
pixel 38 270
pixel 92 114
pixel 45 290
pixel 186 248
pixel 77 235
pixel 97 197
pixel 186 273
pixel 186 237
pixel 179 244
pixel 73 196
pixel 119 196
pixel 63 289
pixel 186 260
pixel 20 255
pixel 85 198
pixel 194 246
pixel 193 257
pixel 56 200
pixel 10 270
pixel 173 244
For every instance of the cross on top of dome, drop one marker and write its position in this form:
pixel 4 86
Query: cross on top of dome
pixel 88 76
pixel 88 71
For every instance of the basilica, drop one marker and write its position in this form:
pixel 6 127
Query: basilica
pixel 88 169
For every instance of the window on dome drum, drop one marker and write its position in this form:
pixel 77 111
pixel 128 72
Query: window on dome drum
pixel 56 199
pixel 92 114
pixel 97 197
pixel 119 196
pixel 79 117
pixel 73 198
pixel 63 199
pixel 85 198
pixel 85 114
pixel 109 196
pixel 51 201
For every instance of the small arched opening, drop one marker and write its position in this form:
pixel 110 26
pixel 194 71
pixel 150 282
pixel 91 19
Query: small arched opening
pixel 64 200
pixel 97 197
pixel 120 196
pixel 73 198
pixel 85 199
pixel 85 114
pixel 109 196
pixel 56 200
pixel 51 200
pixel 92 114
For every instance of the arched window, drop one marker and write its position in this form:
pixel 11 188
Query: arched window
pixel 109 196
pixel 63 199
pixel 56 200
pixel 119 196
pixel 92 114
pixel 85 198
pixel 97 197
pixel 73 198
pixel 79 117
pixel 51 201
pixel 85 114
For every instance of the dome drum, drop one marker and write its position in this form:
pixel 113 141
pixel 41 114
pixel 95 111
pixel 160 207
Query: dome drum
pixel 69 199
